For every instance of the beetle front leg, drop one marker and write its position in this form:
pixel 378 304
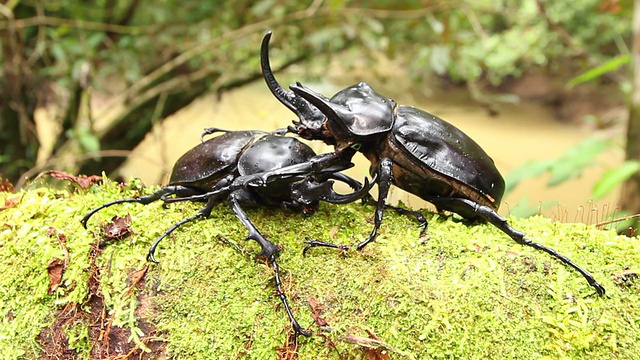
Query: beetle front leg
pixel 211 130
pixel 498 221
pixel 384 183
pixel 144 200
pixel 270 251
pixel 204 212
pixel 385 175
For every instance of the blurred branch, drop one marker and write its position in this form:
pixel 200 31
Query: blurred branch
pixel 125 19
pixel 248 30
pixel 78 24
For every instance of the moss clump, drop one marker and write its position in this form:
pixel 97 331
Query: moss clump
pixel 464 292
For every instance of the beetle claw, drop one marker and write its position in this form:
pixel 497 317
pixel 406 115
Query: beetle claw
pixel 152 258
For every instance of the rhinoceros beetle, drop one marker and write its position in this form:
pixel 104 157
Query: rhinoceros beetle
pixel 416 151
pixel 251 167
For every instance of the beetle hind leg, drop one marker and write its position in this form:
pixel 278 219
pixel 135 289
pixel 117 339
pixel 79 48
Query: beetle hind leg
pixel 465 206
pixel 416 214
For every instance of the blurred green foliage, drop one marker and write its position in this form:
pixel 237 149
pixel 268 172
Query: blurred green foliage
pixel 52 51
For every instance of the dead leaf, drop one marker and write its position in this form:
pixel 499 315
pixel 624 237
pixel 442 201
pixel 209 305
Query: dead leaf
pixel 333 232
pixel 118 228
pixel 375 349
pixel 315 313
pixel 5 184
pixel 83 181
pixel 10 202
pixel 136 278
pixel 55 269
pixel 611 6
pixel 289 350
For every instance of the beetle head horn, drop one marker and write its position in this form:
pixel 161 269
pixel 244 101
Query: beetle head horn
pixel 310 117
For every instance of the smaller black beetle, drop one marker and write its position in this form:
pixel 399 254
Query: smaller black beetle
pixel 250 167
pixel 414 150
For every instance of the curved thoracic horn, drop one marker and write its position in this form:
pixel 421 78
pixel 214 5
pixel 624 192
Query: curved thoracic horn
pixel 309 116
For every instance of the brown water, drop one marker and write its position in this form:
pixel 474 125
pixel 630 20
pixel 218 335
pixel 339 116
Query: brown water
pixel 521 132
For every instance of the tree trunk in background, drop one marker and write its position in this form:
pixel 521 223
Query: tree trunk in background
pixel 630 198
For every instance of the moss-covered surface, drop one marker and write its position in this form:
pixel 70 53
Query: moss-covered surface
pixel 466 292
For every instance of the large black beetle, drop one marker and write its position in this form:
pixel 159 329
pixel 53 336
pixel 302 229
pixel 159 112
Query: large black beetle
pixel 414 150
pixel 251 167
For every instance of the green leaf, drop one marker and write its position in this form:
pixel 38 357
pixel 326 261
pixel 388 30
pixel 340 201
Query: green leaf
pixel 88 141
pixel 575 159
pixel 596 72
pixel 614 177
pixel 527 170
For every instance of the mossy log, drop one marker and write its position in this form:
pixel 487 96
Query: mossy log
pixel 463 291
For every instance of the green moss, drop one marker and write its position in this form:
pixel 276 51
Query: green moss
pixel 463 292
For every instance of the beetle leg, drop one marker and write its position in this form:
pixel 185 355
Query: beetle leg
pixel 423 223
pixel 385 175
pixel 491 216
pixel 204 212
pixel 211 130
pixel 270 251
pixel 316 164
pixel 144 200
pixel 416 214
pixel 280 132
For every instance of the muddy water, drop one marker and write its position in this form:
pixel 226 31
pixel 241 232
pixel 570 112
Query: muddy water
pixel 520 132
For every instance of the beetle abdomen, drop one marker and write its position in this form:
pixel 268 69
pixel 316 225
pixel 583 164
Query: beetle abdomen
pixel 203 165
pixel 446 150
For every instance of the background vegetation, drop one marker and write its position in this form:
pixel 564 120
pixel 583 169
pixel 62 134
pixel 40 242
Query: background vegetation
pixel 103 71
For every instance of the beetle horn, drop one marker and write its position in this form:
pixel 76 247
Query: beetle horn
pixel 285 97
pixel 309 115
pixel 335 198
pixel 329 109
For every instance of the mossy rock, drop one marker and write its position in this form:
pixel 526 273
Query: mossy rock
pixel 463 292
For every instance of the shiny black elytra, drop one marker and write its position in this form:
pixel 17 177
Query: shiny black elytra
pixel 414 150
pixel 251 167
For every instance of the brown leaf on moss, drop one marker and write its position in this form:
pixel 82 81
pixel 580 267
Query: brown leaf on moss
pixel 5 184
pixel 375 349
pixel 136 278
pixel 315 313
pixel 118 228
pixel 55 269
pixel 289 350
pixel 83 181
pixel 10 202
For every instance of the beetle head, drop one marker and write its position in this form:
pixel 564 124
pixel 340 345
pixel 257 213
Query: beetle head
pixel 312 120
pixel 353 114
